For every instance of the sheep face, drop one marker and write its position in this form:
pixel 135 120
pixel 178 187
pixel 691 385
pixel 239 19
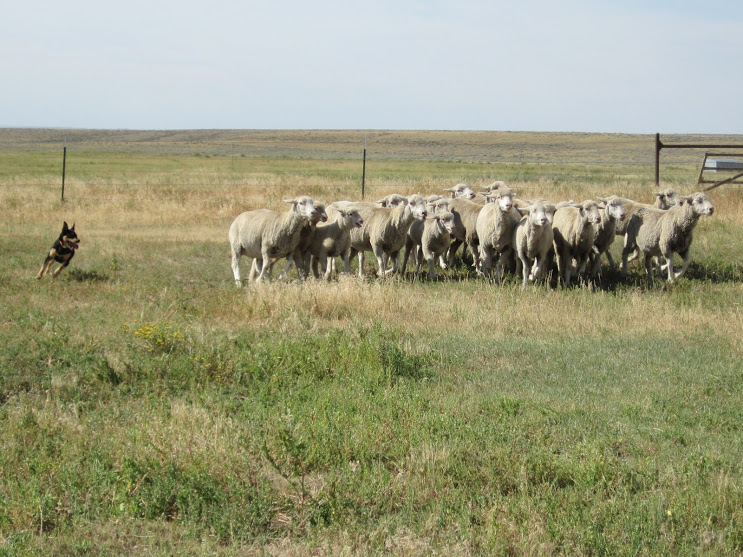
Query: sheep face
pixel 431 202
pixel 447 220
pixel 667 198
pixel 460 191
pixel 540 214
pixel 417 207
pixel 392 200
pixel 589 210
pixel 505 200
pixel 614 208
pixel 320 214
pixel 700 203
pixel 304 207
pixel 498 184
pixel 354 218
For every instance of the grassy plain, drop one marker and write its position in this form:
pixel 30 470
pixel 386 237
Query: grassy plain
pixel 147 406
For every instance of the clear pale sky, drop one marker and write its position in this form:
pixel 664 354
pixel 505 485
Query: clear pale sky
pixel 595 66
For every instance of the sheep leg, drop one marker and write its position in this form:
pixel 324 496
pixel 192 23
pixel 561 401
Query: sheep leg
pixel 523 262
pixel 648 262
pixel 609 258
pixel 265 267
pixel 502 259
pixel 315 263
pixel 536 269
pixel 562 271
pixel 475 249
pixel 235 268
pixel 595 261
pixel 687 260
pixel 395 262
pixel 486 261
pixel 453 250
pixel 380 255
pixel 408 248
pixel 418 258
pixel 287 267
pixel 430 257
pixel 254 268
pixel 361 262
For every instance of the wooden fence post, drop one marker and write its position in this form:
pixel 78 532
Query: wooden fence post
pixel 64 166
pixel 363 173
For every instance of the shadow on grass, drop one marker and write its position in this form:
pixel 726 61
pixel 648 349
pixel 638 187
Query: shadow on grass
pixel 610 280
pixel 79 275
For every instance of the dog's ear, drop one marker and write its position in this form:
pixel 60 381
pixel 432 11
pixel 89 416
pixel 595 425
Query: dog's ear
pixel 65 228
pixel 73 227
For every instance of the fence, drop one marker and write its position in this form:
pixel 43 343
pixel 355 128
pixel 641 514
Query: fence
pixel 660 145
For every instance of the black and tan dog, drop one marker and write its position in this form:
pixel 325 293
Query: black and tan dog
pixel 62 251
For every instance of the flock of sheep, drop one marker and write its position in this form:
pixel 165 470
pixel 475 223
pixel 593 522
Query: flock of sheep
pixel 496 227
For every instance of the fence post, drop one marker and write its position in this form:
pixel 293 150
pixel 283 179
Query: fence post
pixel 64 165
pixel 363 173
pixel 658 146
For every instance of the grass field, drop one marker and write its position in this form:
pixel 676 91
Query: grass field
pixel 147 406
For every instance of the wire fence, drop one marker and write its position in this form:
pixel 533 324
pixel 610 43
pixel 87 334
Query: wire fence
pixel 159 159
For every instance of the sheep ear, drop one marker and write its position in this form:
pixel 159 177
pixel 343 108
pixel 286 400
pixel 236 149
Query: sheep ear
pixel 292 201
pixel 602 199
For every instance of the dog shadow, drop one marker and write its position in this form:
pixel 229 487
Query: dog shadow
pixel 80 275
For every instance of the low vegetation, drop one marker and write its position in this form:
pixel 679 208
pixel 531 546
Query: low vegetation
pixel 148 406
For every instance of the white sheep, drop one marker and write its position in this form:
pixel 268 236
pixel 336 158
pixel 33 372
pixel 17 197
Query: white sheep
pixel 613 214
pixel 664 199
pixel 301 252
pixel 494 226
pixel 465 220
pixel 662 233
pixel 460 191
pixel 266 235
pixel 532 239
pixel 428 239
pixel 574 229
pixel 385 231
pixel 333 239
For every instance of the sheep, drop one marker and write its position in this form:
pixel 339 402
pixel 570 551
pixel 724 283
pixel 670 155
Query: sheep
pixel 664 199
pixel 465 220
pixel 493 226
pixel 574 230
pixel 385 231
pixel 334 239
pixel 430 238
pixel 301 252
pixel 532 239
pixel 614 213
pixel 662 233
pixel 264 234
pixel 460 191
pixel 365 209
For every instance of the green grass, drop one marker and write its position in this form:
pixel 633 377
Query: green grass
pixel 149 406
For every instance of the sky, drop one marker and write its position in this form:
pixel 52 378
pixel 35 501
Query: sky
pixel 625 66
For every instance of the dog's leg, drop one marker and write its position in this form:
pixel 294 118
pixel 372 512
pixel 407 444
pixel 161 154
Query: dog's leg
pixel 48 262
pixel 59 269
